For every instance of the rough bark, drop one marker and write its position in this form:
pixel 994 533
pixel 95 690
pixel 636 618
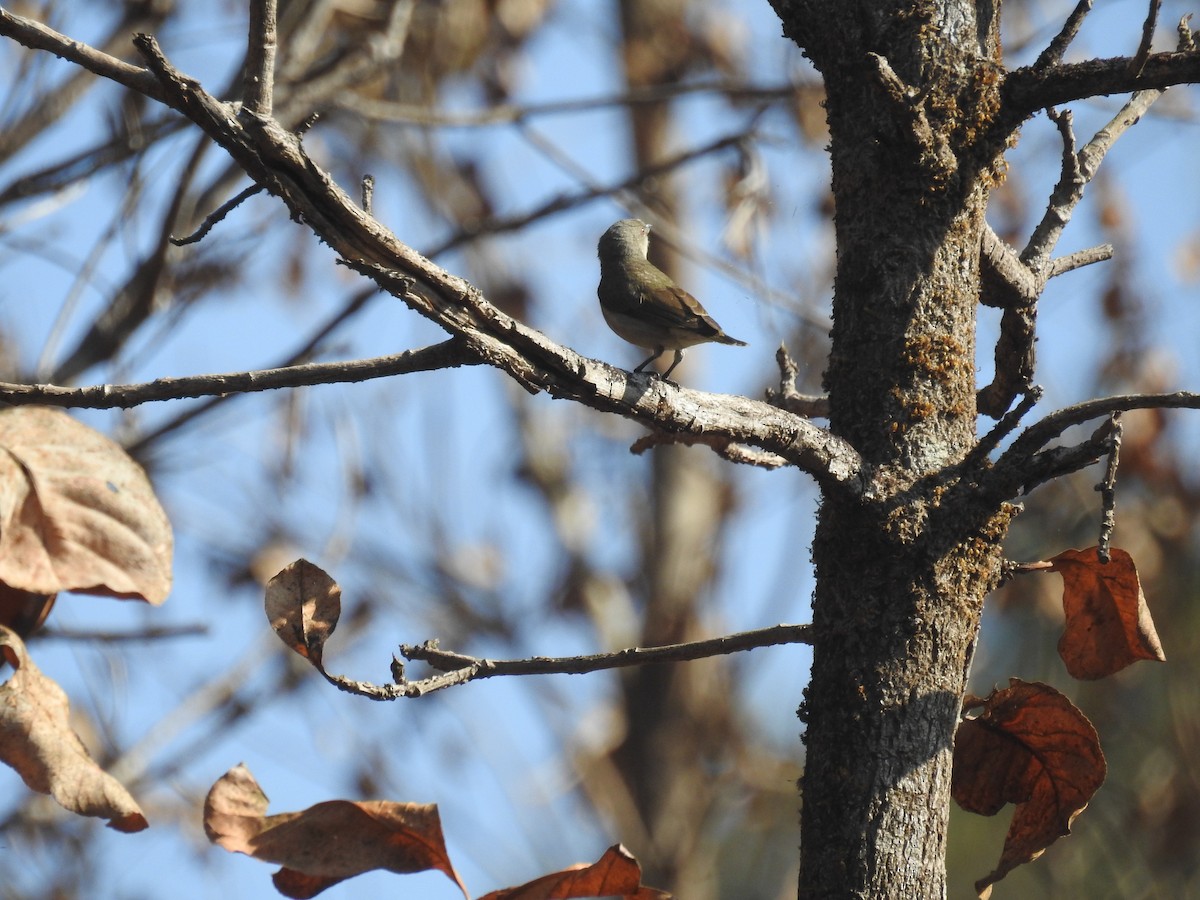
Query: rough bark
pixel 902 570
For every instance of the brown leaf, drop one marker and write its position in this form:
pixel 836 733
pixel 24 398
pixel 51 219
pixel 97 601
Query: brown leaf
pixel 615 874
pixel 303 605
pixel 1108 624
pixel 23 611
pixel 326 843
pixel 1032 747
pixel 76 512
pixel 37 741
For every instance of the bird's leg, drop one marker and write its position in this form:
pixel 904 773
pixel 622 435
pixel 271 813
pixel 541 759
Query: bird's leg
pixel 666 376
pixel 658 351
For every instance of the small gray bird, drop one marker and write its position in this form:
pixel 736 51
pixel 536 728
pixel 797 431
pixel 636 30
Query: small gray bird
pixel 643 305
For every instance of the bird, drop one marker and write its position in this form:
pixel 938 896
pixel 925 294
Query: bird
pixel 643 304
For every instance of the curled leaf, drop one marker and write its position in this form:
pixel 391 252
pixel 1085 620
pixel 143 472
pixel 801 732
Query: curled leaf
pixel 326 843
pixel 1108 624
pixel 1029 746
pixel 37 741
pixel 76 512
pixel 303 605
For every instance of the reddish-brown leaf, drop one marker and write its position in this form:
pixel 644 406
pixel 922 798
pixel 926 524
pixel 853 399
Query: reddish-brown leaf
pixel 36 739
pixel 615 874
pixel 303 605
pixel 1032 747
pixel 326 843
pixel 1108 624
pixel 76 512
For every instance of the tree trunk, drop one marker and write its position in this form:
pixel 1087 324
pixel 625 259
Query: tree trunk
pixel 901 572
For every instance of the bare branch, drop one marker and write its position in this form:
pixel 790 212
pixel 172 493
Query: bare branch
pixel 1108 489
pixel 1053 54
pixel 1006 281
pixel 513 114
pixel 723 447
pixel 459 668
pixel 378 54
pixel 1016 283
pixel 368 193
pixel 1027 90
pixel 787 397
pixel 448 354
pixel 563 202
pixel 217 215
pixel 1023 466
pixel 157 633
pixel 275 158
pixel 1063 199
pixel 37 36
pixel 53 104
pixel 1059 461
pixel 1079 259
pixel 301 355
pixel 1130 114
pixel 1014 360
pixel 1143 51
pixel 1004 427
pixel 258 88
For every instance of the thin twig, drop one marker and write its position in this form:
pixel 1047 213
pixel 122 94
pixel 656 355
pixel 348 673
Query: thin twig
pixel 36 36
pixel 1053 54
pixel 258 87
pixel 162 632
pixel 458 668
pixel 1143 52
pixel 787 397
pixel 1004 427
pixel 1015 285
pixel 297 357
pixel 368 193
pixel 1059 461
pixel 513 114
pixel 447 354
pixel 1041 565
pixel 217 215
pixel 1026 464
pixel 1079 259
pixel 723 447
pixel 1108 491
pixel 492 226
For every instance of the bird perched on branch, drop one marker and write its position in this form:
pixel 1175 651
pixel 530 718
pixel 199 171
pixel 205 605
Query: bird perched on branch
pixel 641 302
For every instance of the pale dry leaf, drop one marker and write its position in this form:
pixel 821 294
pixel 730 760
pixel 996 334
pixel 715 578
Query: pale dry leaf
pixel 37 741
pixel 76 512
pixel 303 605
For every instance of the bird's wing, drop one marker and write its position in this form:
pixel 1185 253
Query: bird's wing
pixel 673 307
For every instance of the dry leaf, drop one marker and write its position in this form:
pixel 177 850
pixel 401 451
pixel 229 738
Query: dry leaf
pixel 1108 623
pixel 326 843
pixel 76 512
pixel 37 741
pixel 23 611
pixel 1032 747
pixel 303 605
pixel 615 874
